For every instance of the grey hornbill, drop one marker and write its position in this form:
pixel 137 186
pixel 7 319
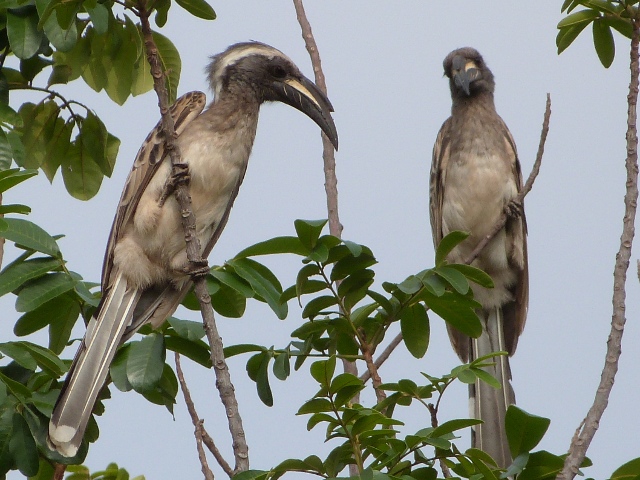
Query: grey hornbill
pixel 475 175
pixel 144 276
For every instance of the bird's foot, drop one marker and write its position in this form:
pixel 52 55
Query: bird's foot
pixel 180 175
pixel 195 269
pixel 514 209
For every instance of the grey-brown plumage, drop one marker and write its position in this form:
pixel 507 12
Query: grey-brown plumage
pixel 474 175
pixel 144 277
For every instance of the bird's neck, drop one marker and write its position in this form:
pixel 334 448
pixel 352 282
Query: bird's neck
pixel 465 105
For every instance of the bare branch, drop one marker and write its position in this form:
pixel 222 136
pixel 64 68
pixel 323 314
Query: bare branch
pixel 206 471
pixel 198 423
pixel 508 211
pixel 587 430
pixel 223 379
pixel 433 410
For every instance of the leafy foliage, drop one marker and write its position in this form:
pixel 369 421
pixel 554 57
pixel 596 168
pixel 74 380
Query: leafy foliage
pixel 604 17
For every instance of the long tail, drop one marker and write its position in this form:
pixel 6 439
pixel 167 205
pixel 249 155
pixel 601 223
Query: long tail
pixel 486 402
pixel 90 367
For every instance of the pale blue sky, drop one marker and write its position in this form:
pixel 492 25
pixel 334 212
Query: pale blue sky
pixel 383 63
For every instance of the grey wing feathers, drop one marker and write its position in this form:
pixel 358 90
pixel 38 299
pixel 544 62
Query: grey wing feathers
pixel 439 160
pixel 151 153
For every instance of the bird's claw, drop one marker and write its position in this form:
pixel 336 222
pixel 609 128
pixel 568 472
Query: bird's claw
pixel 196 269
pixel 180 175
pixel 514 209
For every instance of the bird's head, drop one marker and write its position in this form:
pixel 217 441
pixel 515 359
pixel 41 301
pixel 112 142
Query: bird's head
pixel 264 74
pixel 467 72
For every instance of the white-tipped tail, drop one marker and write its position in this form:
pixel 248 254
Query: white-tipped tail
pixel 486 402
pixel 90 367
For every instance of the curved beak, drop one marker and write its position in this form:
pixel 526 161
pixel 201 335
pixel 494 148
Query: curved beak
pixel 463 73
pixel 302 94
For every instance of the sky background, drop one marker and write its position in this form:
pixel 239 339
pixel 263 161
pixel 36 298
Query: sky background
pixel 383 65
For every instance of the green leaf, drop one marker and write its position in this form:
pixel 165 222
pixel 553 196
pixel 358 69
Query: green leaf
pixel 263 282
pixel 198 8
pixel 187 329
pixel 28 234
pixel 262 380
pixel 309 231
pixel 23 33
pixel 583 16
pixel 234 281
pixel 146 363
pixel 20 354
pixel 17 274
pixel 45 358
pixel 524 430
pixel 198 351
pixel 414 325
pixel 251 475
pixel 453 425
pixel 350 264
pixel 275 246
pixel 6 152
pixel 282 366
pixel 228 302
pixel 118 368
pixel 567 35
pixel 472 273
pixel 122 58
pixel 81 174
pixel 39 125
pixel 454 278
pixel 318 305
pixel 448 243
pixel 322 371
pixel 456 310
pixel 628 471
pixel 622 25
pixel 603 42
pixel 43 289
pixel 99 15
pixel 315 405
pixel 61 313
pixel 63 39
pixel 23 447
pixel 234 350
pixel 171 63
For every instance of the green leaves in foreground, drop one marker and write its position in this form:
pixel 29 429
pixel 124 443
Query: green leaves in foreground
pixel 603 15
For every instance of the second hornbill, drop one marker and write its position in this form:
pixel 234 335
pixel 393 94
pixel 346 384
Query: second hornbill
pixel 144 276
pixel 475 174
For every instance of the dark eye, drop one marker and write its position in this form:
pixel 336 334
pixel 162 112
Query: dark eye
pixel 277 71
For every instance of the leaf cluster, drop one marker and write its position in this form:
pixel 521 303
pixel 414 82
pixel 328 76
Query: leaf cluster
pixel 604 16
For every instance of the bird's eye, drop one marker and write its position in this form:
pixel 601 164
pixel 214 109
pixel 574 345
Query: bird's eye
pixel 278 72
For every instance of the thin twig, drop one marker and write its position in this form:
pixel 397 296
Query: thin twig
pixel 206 471
pixel 508 211
pixel 198 422
pixel 580 443
pixel 328 153
pixel 433 410
pixel 223 379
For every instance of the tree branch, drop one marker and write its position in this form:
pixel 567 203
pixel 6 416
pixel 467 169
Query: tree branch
pixel 200 432
pixel 193 248
pixel 508 211
pixel 587 430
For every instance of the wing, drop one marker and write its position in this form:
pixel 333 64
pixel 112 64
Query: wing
pixel 515 313
pixel 150 156
pixel 441 153
pixel 163 303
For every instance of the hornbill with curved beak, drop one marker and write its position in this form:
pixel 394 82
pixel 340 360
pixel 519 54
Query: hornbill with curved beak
pixel 475 174
pixel 144 277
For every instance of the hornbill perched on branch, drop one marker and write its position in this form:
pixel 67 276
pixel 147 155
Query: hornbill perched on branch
pixel 474 175
pixel 144 275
